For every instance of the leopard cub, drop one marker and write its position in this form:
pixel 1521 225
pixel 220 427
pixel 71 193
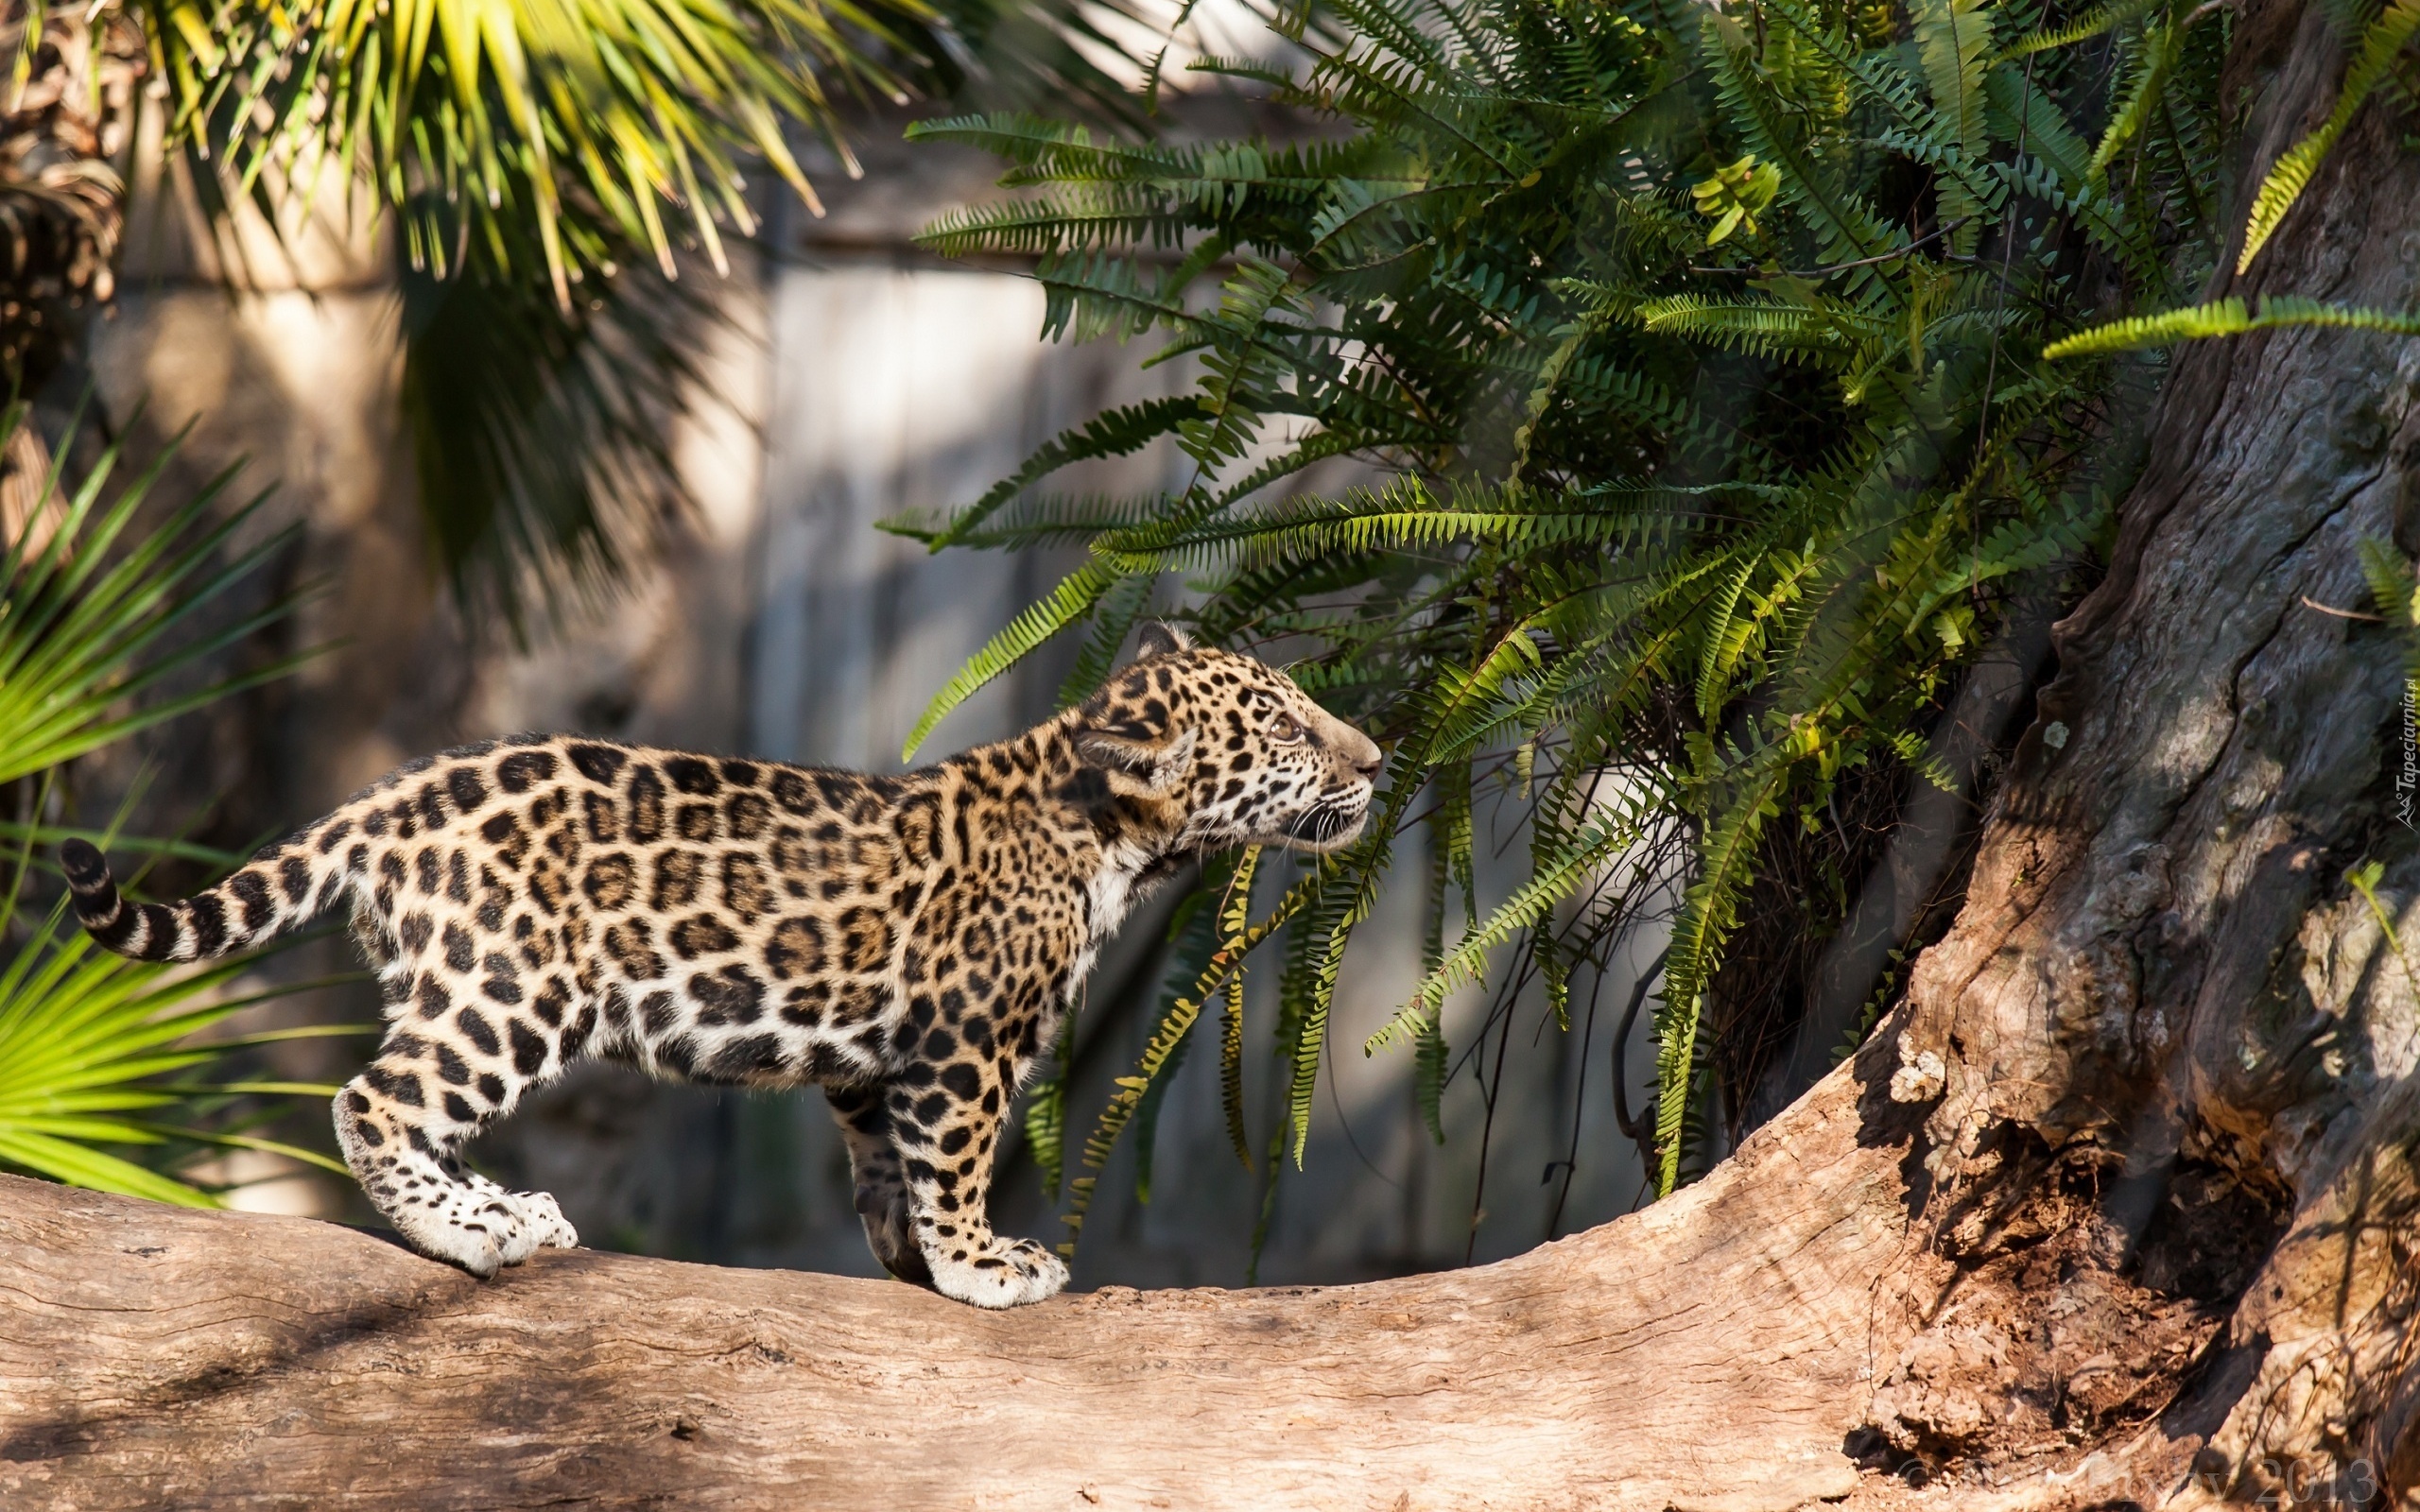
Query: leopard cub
pixel 906 943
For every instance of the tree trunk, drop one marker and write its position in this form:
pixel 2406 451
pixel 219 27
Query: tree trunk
pixel 2117 1208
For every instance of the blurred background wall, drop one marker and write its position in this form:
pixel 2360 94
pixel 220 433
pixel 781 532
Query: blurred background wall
pixel 854 377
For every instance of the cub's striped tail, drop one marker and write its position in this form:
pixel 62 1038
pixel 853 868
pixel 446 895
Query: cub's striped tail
pixel 279 888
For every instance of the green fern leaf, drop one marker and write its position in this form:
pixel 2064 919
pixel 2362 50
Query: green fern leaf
pixel 2224 317
pixel 1165 1044
pixel 1113 621
pixel 1954 42
pixel 1067 604
pixel 2091 23
pixel 1310 1040
pixel 2397 593
pixel 1117 432
pixel 2381 41
pixel 1045 1110
pixel 2144 94
pixel 1233 932
pixel 1707 914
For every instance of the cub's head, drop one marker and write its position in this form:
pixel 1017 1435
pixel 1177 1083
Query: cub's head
pixel 1227 752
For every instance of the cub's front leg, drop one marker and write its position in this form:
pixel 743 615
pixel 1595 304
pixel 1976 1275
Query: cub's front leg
pixel 945 1108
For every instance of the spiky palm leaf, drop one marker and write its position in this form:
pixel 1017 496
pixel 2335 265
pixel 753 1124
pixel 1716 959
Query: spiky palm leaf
pixel 101 611
pixel 545 166
pixel 97 1055
pixel 582 121
pixel 106 604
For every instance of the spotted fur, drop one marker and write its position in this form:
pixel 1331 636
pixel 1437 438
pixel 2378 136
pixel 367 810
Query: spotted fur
pixel 907 943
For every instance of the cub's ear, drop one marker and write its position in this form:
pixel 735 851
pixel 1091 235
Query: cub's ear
pixel 1161 639
pixel 1160 768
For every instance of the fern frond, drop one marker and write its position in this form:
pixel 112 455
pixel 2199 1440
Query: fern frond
pixel 2091 23
pixel 1113 215
pixel 1067 604
pixel 1954 43
pixel 2381 41
pixel 1114 619
pixel 1045 1110
pixel 2397 591
pixel 1056 149
pixel 1166 1040
pixel 1033 521
pixel 2226 317
pixel 2029 115
pixel 1707 914
pixel 2144 94
pixel 1117 432
pixel 1310 1039
pixel 1765 327
pixel 1233 932
pixel 1599 840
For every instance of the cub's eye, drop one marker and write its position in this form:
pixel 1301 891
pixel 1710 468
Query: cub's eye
pixel 1286 728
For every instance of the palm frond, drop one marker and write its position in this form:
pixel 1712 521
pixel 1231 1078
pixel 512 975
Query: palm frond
pixel 541 437
pixel 548 166
pixel 90 613
pixel 85 1039
pixel 579 121
pixel 104 609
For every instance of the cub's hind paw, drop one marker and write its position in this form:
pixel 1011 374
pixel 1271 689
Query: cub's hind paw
pixel 483 1231
pixel 883 1210
pixel 999 1273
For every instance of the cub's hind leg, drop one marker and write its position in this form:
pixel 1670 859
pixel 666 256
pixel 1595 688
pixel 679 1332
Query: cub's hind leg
pixel 437 1081
pixel 882 1200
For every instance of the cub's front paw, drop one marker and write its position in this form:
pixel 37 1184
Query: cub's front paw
pixel 546 1222
pixel 998 1273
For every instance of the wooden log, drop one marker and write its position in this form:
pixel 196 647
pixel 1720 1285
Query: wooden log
pixel 1706 1353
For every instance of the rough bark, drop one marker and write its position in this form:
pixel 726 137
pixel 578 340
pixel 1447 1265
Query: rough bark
pixel 2118 1207
pixel 155 1357
pixel 2166 1027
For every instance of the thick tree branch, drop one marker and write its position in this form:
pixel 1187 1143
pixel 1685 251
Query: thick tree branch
pixel 1706 1353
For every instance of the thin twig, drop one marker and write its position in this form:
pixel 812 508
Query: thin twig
pixel 1636 1130
pixel 2008 258
pixel 1570 1161
pixel 1862 262
pixel 2309 602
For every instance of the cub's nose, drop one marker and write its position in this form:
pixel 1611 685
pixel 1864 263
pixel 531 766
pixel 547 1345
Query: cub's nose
pixel 1364 754
pixel 1347 745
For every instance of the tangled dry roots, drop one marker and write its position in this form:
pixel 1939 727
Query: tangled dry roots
pixel 61 199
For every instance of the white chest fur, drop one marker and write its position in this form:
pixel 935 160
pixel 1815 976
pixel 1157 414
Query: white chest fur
pixel 1109 896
